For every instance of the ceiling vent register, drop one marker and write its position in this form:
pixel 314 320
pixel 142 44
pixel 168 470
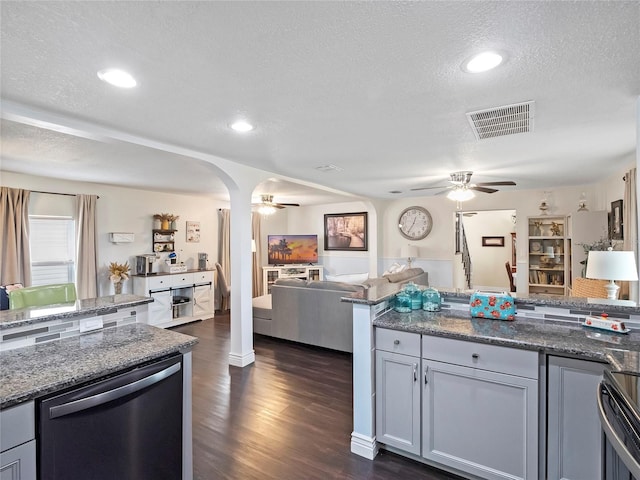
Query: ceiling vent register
pixel 500 121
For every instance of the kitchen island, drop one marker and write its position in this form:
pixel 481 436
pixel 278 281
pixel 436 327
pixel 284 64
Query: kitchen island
pixel 51 349
pixel 430 385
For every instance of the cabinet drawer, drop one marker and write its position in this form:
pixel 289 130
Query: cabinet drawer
pixel 523 363
pixel 398 342
pixel 202 277
pixel 18 425
pixel 181 279
pixel 157 283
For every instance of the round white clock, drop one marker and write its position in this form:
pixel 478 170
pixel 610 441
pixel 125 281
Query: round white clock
pixel 415 223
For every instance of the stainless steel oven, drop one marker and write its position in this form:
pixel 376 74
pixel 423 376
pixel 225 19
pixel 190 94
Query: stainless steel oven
pixel 619 409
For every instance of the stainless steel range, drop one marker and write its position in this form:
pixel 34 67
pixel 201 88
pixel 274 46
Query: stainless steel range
pixel 619 408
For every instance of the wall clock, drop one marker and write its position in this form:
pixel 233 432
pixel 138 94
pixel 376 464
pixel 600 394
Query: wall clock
pixel 415 223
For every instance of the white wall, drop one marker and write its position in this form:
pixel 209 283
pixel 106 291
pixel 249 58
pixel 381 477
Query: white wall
pixel 127 210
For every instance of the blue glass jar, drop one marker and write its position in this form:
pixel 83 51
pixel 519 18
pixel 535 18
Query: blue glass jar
pixel 415 294
pixel 431 301
pixel 402 302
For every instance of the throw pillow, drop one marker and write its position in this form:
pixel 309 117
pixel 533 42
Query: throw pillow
pixel 352 278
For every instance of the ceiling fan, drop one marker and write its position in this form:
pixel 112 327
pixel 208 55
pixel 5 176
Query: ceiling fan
pixel 461 186
pixel 267 206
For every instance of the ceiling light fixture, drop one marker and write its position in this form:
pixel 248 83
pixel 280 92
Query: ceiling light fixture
pixel 117 78
pixel 266 209
pixel 241 126
pixel 461 194
pixel 482 62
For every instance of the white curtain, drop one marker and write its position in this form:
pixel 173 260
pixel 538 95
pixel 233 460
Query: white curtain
pixel 86 259
pixel 15 256
pixel 630 229
pixel 257 255
pixel 224 253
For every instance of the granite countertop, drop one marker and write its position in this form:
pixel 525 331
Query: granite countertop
pixel 376 295
pixel 622 351
pixel 88 307
pixel 34 371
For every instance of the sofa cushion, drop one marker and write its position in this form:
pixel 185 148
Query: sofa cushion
pixel 326 285
pixel 262 306
pixel 404 275
pixel 353 278
pixel 376 282
pixel 291 282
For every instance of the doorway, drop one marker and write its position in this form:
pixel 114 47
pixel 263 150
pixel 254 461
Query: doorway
pixel 491 243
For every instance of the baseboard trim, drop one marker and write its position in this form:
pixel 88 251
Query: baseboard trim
pixel 364 446
pixel 242 360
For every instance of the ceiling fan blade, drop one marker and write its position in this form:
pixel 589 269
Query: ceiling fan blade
pixel 428 188
pixel 486 184
pixel 288 204
pixel 483 189
pixel 446 190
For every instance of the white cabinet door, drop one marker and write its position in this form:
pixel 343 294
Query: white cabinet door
pixel 574 434
pixel 19 463
pixel 398 401
pixel 203 300
pixel 160 310
pixel 480 422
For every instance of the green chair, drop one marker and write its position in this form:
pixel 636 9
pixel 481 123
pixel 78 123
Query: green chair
pixel 42 295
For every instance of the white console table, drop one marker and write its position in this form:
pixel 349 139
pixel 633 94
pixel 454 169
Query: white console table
pixel 305 272
pixel 177 297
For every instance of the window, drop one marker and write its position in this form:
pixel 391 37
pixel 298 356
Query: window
pixel 52 242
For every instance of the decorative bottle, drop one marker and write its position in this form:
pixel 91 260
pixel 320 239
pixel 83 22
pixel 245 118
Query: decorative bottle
pixel 431 300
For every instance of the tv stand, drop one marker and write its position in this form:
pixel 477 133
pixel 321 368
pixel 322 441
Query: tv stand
pixel 272 273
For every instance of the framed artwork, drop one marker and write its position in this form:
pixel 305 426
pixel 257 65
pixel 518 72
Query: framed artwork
pixel 615 221
pixel 345 231
pixel 493 241
pixel 193 232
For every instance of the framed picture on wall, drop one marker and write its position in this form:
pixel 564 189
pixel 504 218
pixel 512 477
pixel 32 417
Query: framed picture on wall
pixel 193 232
pixel 493 241
pixel 615 221
pixel 345 231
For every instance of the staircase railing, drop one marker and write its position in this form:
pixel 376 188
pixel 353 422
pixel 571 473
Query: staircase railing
pixel 466 257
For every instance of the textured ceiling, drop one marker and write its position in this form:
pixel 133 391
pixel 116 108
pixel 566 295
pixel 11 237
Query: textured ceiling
pixel 375 88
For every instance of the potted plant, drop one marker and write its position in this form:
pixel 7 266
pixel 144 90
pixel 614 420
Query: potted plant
pixel 118 273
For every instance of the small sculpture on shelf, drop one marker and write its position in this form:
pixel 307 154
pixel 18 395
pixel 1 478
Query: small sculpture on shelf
pixel 555 229
pixel 537 228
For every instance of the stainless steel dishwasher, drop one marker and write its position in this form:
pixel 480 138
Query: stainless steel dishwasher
pixel 127 427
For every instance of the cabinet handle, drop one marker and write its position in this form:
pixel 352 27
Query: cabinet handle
pixel 475 356
pixel 426 370
pixel 396 342
pixel 415 372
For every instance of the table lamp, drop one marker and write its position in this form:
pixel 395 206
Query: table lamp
pixel 611 265
pixel 409 252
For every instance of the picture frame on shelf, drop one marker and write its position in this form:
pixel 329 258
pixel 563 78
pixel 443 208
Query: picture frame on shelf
pixel 346 231
pixel 615 221
pixel 493 241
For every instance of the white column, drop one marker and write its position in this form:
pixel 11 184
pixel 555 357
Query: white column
pixel 241 352
pixel 363 440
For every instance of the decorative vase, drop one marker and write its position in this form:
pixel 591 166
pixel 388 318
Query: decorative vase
pixel 173 225
pixel 165 225
pixel 157 224
pixel 118 287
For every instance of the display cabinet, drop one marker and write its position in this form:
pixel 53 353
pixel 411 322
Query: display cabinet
pixel 164 240
pixel 549 266
pixel 305 272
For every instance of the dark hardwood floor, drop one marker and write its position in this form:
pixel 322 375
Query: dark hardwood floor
pixel 288 416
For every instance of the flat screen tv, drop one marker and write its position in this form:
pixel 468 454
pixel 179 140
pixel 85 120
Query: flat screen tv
pixel 292 249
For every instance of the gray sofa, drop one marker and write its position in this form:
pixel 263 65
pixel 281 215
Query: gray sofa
pixel 312 313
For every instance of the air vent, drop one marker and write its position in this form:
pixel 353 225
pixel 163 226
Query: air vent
pixel 507 120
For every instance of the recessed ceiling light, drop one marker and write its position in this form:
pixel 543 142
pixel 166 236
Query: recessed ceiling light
pixel 482 62
pixel 117 78
pixel 241 126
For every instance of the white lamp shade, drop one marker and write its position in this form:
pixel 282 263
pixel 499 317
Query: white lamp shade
pixel 611 265
pixel 460 194
pixel 409 251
